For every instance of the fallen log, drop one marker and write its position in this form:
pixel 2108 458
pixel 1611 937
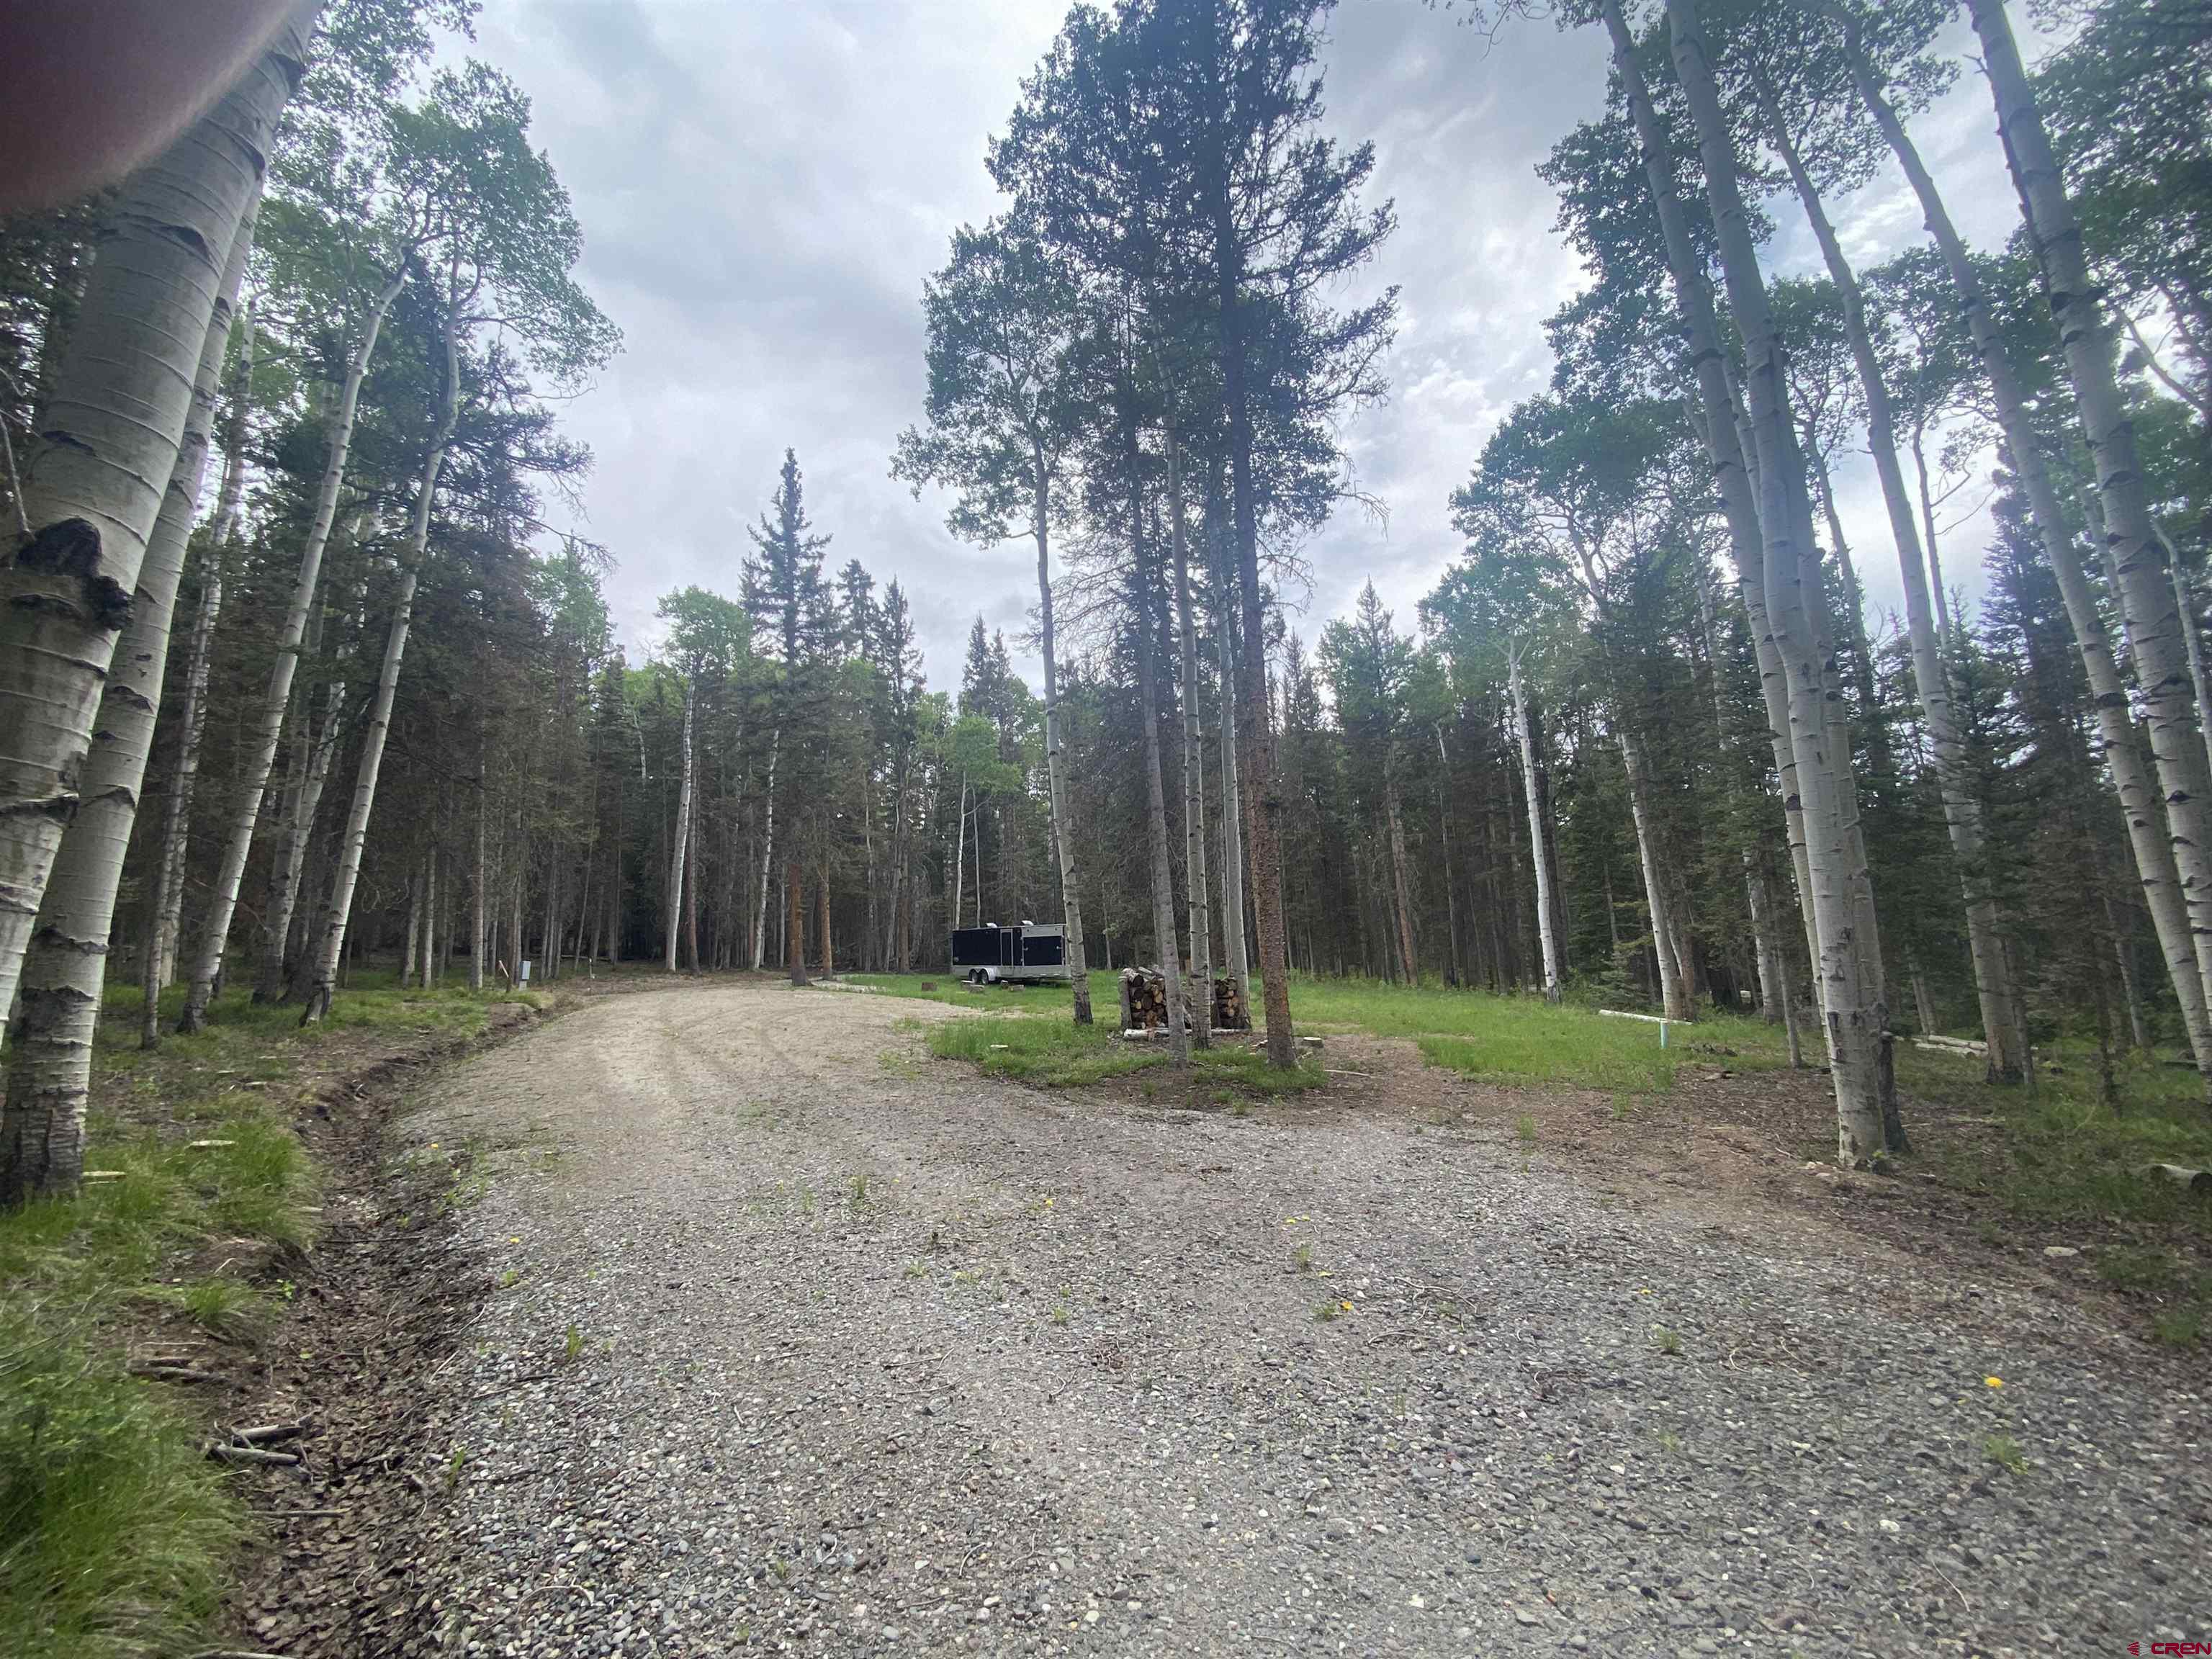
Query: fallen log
pixel 251 1454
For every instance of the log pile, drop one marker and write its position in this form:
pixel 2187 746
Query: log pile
pixel 1231 1012
pixel 1145 1003
pixel 1143 1000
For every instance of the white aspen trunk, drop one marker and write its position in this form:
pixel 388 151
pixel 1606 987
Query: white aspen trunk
pixel 2005 1045
pixel 1193 771
pixel 267 978
pixel 960 852
pixel 1801 870
pixel 682 830
pixel 2147 833
pixel 93 483
pixel 2130 534
pixel 482 885
pixel 1232 833
pixel 768 850
pixel 1928 525
pixel 1731 460
pixel 1443 827
pixel 407 951
pixel 1055 764
pixel 48 1059
pixel 1774 994
pixel 332 947
pixel 300 832
pixel 168 899
pixel 429 973
pixel 261 746
pixel 520 861
pixel 1855 1026
pixel 1669 949
pixel 1666 945
pixel 2186 604
pixel 1525 742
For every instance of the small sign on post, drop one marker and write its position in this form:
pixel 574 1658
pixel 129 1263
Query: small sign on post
pixel 525 970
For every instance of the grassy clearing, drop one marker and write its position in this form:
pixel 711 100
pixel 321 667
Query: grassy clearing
pixel 1051 1050
pixel 1502 1039
pixel 116 1534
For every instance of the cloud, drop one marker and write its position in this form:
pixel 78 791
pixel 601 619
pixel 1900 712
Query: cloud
pixel 763 187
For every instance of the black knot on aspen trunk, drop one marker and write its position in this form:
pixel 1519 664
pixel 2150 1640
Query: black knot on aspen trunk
pixel 71 548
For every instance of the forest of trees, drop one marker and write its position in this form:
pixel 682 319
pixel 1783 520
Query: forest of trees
pixel 338 695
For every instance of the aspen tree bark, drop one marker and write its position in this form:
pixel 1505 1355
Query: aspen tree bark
pixel 408 951
pixel 166 908
pixel 1928 525
pixel 428 975
pixel 515 883
pixel 960 855
pixel 2187 951
pixel 93 483
pixel 261 746
pixel 1776 1002
pixel 1669 948
pixel 482 885
pixel 1055 762
pixel 682 830
pixel 49 1061
pixel 1194 770
pixel 331 948
pixel 1855 1026
pixel 1525 742
pixel 1444 826
pixel 315 745
pixel 2130 535
pixel 1962 811
pixel 322 740
pixel 2185 605
pixel 281 870
pixel 1731 458
pixel 768 850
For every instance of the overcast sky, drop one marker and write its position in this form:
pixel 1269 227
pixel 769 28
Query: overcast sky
pixel 765 184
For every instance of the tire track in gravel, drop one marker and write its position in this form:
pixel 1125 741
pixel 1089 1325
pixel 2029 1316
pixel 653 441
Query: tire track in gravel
pixel 1049 1379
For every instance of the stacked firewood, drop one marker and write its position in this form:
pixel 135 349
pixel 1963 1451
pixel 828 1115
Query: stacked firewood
pixel 1145 1003
pixel 1231 1012
pixel 1143 1000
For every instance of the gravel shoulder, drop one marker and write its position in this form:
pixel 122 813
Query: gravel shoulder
pixel 795 1337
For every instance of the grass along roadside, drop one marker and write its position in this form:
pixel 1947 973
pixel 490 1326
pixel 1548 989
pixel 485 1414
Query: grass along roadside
pixel 116 1534
pixel 1049 1049
pixel 1501 1039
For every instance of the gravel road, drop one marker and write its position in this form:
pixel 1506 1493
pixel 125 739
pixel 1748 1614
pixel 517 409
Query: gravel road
pixel 800 1340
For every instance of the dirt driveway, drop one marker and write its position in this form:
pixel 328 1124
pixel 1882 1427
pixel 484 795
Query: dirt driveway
pixel 800 1340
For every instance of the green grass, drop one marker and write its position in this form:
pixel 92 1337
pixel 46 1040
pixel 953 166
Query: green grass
pixel 2064 1158
pixel 116 1534
pixel 1053 1052
pixel 1512 1040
